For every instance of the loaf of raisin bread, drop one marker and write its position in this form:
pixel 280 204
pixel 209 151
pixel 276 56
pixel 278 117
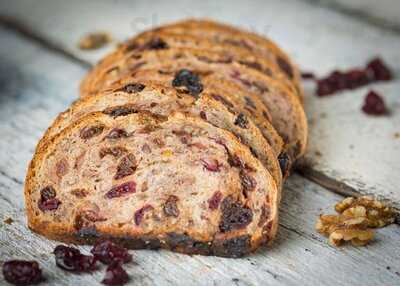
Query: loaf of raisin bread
pixel 132 179
pixel 285 108
pixel 160 100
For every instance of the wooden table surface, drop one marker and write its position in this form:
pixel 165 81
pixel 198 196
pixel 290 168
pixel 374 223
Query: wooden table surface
pixel 348 153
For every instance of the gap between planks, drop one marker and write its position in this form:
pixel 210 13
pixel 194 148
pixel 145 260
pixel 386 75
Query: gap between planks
pixel 307 172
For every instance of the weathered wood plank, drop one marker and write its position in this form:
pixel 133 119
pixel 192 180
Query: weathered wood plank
pixel 358 150
pixel 31 95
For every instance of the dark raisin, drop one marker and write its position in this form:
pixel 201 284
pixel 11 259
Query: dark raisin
pixel 223 100
pixel 211 165
pixel 48 200
pixel 126 167
pixel 213 202
pixel 338 81
pixel 234 215
pixel 71 259
pixel 92 131
pixel 20 272
pixel 116 152
pixel 284 164
pixel 121 190
pixel 117 133
pixel 47 193
pixel 242 121
pixel 247 181
pixel 189 80
pixel 115 274
pixel 155 44
pixel 107 251
pixel 374 104
pixel 378 70
pixel 250 102
pixel 285 67
pixel 132 88
pixel 119 111
pixel 86 217
pixel 235 161
pixel 139 214
pixel 171 207
pixel 308 75
pixel 203 115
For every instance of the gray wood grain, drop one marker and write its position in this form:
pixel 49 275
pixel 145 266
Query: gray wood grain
pixel 35 85
pixel 361 151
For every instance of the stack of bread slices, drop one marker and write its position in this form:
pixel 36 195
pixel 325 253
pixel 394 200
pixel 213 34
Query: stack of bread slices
pixel 180 139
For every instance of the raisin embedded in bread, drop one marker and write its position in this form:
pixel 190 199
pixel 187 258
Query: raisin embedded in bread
pixel 133 179
pixel 132 97
pixel 286 110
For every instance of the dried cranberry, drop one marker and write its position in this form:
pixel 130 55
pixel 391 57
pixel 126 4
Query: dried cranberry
pixel 119 111
pixel 132 88
pixel 115 274
pixel 234 215
pixel 211 165
pixel 378 70
pixel 92 131
pixel 126 167
pixel 117 133
pixel 113 151
pixel 374 104
pixel 285 66
pixel 189 80
pixel 155 44
pixel 213 202
pixel 107 251
pixel 49 205
pixel 139 214
pixel 20 272
pixel 242 121
pixel 71 259
pixel 121 190
pixel 171 207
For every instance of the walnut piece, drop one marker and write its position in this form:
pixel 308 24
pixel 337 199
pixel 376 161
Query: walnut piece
pixel 354 223
pixel 94 41
pixel 376 213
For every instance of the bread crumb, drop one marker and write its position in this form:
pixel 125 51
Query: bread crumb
pixel 397 135
pixel 95 40
pixel 8 220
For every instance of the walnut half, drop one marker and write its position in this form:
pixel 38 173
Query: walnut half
pixel 356 218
